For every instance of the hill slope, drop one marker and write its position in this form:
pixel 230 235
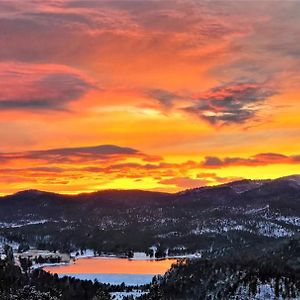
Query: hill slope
pixel 227 216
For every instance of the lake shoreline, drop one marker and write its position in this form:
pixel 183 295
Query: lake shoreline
pixel 113 269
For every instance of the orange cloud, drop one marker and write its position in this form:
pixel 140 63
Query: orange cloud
pixel 158 76
pixel 261 159
pixel 97 167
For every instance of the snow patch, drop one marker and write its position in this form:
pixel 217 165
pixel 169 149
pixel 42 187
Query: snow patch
pixel 121 295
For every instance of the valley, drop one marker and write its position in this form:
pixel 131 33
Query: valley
pixel 241 227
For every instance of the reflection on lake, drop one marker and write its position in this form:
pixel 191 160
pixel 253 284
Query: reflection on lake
pixel 113 270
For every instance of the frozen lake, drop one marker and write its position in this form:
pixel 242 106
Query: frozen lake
pixel 128 279
pixel 113 270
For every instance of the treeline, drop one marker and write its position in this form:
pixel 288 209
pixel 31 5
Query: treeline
pixel 40 285
pixel 46 260
pixel 26 263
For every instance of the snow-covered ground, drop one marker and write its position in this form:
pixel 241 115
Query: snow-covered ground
pixel 90 253
pixel 136 255
pixel 128 279
pixel 4 241
pixel 264 291
pixel 22 223
pixel 84 254
pixel 140 256
pixel 273 230
pixel 293 220
pixel 190 256
pixel 219 226
pixel 121 295
pixel 38 266
pixel 269 225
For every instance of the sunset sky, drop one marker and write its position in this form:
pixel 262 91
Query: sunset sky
pixel 156 95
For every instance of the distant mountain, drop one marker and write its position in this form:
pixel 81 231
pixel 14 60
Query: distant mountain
pixel 282 191
pixel 220 217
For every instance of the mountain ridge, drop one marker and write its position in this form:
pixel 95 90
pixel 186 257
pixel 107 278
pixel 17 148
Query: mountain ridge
pixel 226 216
pixel 36 192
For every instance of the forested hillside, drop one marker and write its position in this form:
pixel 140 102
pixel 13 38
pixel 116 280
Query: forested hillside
pixel 268 272
pixel 234 215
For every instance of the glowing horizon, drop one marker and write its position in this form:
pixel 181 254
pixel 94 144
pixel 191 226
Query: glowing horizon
pixel 151 95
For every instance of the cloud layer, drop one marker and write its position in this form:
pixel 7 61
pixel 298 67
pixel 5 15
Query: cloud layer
pixel 40 86
pixel 101 166
pixel 231 103
pixel 261 159
pixel 73 155
pixel 161 76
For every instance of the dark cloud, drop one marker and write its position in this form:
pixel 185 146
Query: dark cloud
pixel 212 161
pixel 230 103
pixel 34 170
pixel 74 31
pixel 43 32
pixel 260 159
pixel 69 155
pixel 33 86
pixel 164 97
